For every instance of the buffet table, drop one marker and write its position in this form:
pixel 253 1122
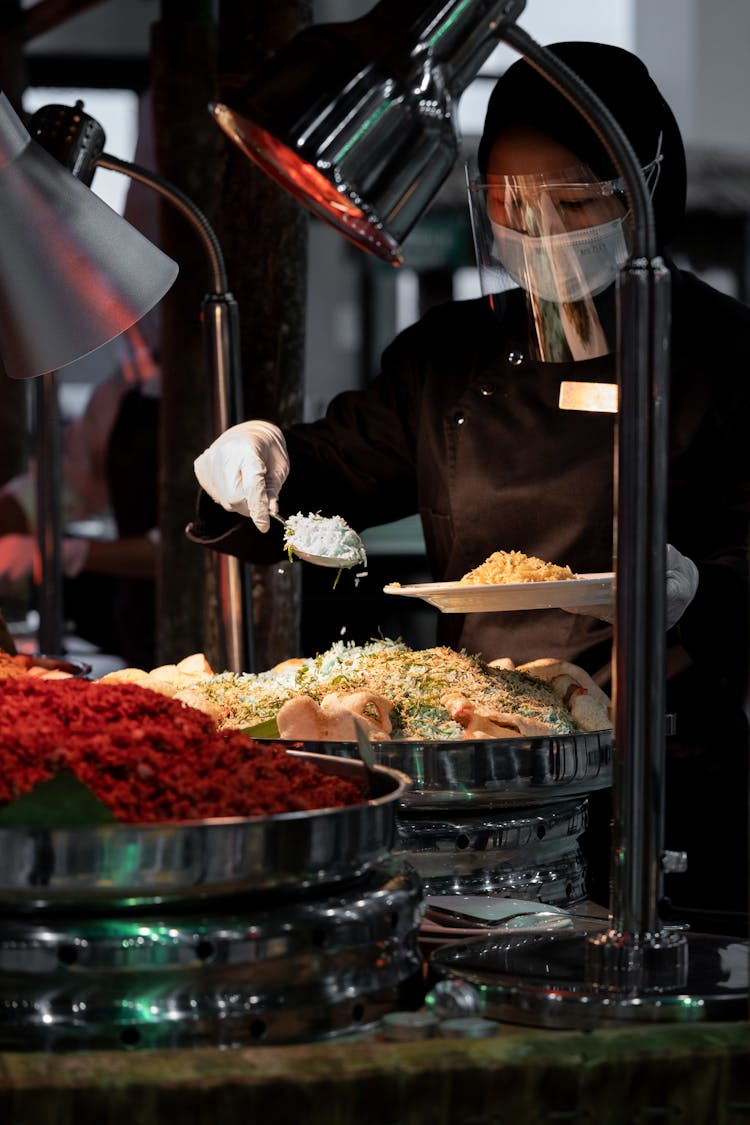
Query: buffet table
pixel 688 1074
pixel 232 964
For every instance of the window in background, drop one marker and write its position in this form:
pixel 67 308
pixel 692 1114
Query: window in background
pixel 117 113
pixel 549 21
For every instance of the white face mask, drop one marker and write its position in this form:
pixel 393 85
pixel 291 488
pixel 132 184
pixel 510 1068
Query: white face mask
pixel 563 267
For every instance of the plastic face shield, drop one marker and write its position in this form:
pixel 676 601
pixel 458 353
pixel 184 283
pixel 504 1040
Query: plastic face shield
pixel 562 239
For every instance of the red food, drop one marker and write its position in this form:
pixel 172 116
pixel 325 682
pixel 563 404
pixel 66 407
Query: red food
pixel 148 757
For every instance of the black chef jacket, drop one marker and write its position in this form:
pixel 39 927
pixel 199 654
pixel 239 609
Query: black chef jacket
pixel 464 428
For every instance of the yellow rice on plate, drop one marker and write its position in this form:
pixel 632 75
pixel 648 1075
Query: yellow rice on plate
pixel 515 566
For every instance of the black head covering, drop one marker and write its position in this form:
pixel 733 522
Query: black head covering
pixel 522 96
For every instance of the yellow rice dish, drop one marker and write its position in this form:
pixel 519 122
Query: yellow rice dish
pixel 515 566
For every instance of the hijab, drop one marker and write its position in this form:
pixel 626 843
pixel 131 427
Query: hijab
pixel 522 96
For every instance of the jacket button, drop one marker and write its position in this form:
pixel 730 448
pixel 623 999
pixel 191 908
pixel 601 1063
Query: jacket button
pixel 459 418
pixel 487 389
pixel 515 358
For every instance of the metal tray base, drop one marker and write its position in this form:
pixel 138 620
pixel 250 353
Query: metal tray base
pixel 520 853
pixel 541 981
pixel 288 972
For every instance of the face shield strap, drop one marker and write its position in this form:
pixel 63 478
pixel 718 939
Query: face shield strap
pixel 651 171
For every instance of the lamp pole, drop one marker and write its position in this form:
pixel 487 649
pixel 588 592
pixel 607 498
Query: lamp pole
pixel 48 514
pixel 77 141
pixel 634 952
pixel 221 331
pixel 636 969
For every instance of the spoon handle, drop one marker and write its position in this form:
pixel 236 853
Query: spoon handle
pixel 366 753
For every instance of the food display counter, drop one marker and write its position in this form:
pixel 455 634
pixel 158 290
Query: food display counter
pixel 695 1075
pixel 246 968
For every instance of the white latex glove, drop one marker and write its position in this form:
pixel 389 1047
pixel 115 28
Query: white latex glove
pixel 682 583
pixel 244 469
pixel 19 557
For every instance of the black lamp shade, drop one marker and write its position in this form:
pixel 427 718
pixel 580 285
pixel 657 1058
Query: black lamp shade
pixel 73 273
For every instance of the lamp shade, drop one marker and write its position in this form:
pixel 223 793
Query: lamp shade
pixel 73 273
pixel 357 119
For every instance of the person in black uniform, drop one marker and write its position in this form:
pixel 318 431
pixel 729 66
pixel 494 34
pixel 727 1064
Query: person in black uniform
pixel 463 425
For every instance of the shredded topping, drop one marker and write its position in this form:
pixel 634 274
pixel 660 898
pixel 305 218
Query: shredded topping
pixel 327 536
pixel 415 682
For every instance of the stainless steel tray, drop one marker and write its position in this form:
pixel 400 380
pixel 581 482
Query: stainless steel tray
pixel 133 864
pixel 488 773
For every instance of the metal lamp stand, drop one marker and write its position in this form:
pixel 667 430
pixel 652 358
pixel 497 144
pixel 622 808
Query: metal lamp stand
pixel 49 515
pixel 636 969
pixel 221 328
pixel 77 141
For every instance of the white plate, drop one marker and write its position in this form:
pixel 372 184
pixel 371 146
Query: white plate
pixel 587 591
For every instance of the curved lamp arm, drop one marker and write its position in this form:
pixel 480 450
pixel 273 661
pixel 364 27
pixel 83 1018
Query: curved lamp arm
pixel 183 203
pixel 77 141
pixel 221 327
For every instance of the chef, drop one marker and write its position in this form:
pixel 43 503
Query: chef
pixel 463 425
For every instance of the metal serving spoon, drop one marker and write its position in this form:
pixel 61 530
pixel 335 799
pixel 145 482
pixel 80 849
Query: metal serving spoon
pixel 336 561
pixel 367 754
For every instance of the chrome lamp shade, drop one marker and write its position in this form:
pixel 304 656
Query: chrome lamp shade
pixel 366 157
pixel 357 119
pixel 73 273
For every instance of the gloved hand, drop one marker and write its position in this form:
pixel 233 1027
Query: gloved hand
pixel 682 583
pixel 244 469
pixel 19 557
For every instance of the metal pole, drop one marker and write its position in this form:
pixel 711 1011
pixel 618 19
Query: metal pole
pixel 49 514
pixel 234 578
pixel 634 952
pixel 221 328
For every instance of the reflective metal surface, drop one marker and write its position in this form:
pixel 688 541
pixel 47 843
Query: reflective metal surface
pixel 253 970
pixel 129 864
pixel 78 669
pixel 521 853
pixel 541 979
pixel 357 120
pixel 490 773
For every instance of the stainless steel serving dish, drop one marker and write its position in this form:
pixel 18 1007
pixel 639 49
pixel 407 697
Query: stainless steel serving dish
pixel 525 853
pixel 490 773
pixel 480 815
pixel 133 864
pixel 77 669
